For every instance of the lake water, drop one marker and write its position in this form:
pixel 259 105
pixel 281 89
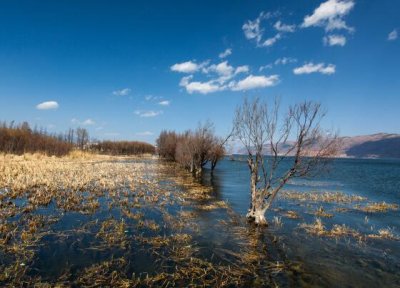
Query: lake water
pixel 335 262
pixel 131 236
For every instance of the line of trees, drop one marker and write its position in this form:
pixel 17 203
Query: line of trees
pixel 20 139
pixel 123 147
pixel 192 149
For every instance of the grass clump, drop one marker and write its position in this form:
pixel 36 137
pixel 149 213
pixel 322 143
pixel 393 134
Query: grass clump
pixel 385 233
pixel 378 207
pixel 318 196
pixel 322 213
pixel 317 228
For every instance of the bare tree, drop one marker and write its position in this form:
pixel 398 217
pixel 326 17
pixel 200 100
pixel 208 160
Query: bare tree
pixel 193 149
pixel 20 138
pixel 217 152
pixel 260 130
pixel 183 152
pixel 70 136
pixel 201 143
pixel 166 144
pixel 82 138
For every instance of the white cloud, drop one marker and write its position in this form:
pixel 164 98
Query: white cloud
pixel 188 67
pixel 284 61
pixel 271 41
pixel 145 133
pixel 334 40
pixel 185 80
pixel 279 61
pixel 330 15
pixel 122 92
pixel 392 35
pixel 252 29
pixel 242 69
pixel 221 77
pixel 224 71
pixel 279 26
pixel 147 114
pixel 226 53
pixel 252 82
pixel 48 105
pixel 202 87
pixel 164 103
pixel 309 68
pixel 87 122
pixel 268 66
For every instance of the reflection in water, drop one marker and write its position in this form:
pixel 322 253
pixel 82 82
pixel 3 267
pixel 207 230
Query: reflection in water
pixel 164 228
pixel 159 228
pixel 336 258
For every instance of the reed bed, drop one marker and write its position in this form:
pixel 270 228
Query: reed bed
pixel 344 202
pixel 339 231
pixel 137 222
pixel 319 229
pixel 378 207
pixel 317 196
pixel 128 209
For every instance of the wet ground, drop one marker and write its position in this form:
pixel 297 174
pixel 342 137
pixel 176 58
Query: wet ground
pixel 145 222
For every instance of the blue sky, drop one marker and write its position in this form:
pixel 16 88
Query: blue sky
pixel 128 69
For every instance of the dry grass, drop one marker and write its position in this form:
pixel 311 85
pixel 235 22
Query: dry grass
pixel 386 233
pixel 378 207
pixel 322 213
pixel 316 196
pixel 291 214
pixel 40 174
pixel 277 221
pixel 318 228
pixel 77 182
pixel 214 205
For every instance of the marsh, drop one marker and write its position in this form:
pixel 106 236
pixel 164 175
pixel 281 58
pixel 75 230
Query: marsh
pixel 140 221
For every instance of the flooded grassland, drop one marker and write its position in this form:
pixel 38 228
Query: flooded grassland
pixel 101 221
pixel 98 221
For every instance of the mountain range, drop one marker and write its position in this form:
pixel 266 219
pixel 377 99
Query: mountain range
pixel 380 145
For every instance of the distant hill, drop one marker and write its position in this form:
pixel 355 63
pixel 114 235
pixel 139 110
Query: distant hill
pixel 381 145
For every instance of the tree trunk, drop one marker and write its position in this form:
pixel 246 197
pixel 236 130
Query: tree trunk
pixel 259 216
pixel 253 190
pixel 256 214
pixel 213 164
pixel 192 166
pixel 257 210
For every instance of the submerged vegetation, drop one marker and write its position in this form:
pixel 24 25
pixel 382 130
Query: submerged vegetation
pixel 113 211
pixel 378 207
pixel 102 221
